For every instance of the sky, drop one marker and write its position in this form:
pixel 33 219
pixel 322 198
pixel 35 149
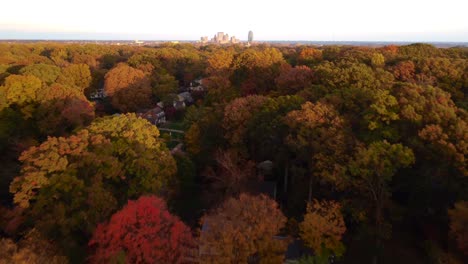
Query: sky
pixel 310 20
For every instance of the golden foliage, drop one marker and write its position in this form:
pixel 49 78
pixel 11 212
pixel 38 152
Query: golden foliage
pixel 242 229
pixel 192 139
pixel 318 131
pixel 237 114
pixel 32 249
pixel 459 225
pixel 128 87
pixel 323 227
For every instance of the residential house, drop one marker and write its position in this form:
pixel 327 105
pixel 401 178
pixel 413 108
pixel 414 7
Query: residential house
pixel 98 94
pixel 187 97
pixel 197 85
pixel 155 116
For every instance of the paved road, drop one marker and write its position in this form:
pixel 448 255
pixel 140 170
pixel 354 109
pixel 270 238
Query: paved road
pixel 171 130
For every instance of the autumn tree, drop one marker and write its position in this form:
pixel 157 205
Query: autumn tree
pixel 164 84
pixel 204 134
pixel 192 139
pixel 54 109
pixel 141 149
pixel 448 74
pixel 309 56
pixel 377 60
pixel 267 129
pixel 389 50
pixel 219 69
pixel 69 184
pixel 358 55
pixel 19 98
pixel 231 174
pixel 243 229
pixel 62 115
pixel 45 72
pixel 292 80
pixel 351 86
pixel 437 121
pixel 317 134
pixel 256 70
pixel 459 225
pixel 59 55
pixel 220 62
pixel 419 50
pixel 404 71
pixel 383 110
pixel 323 227
pixel 20 89
pixel 372 170
pixel 219 89
pixel 32 248
pixel 76 75
pixel 331 53
pixel 237 115
pixel 128 88
pixel 143 231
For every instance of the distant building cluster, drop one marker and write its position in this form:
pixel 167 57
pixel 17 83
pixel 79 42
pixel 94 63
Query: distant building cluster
pixel 220 38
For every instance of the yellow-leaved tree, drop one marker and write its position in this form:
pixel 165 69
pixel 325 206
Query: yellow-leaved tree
pixel 323 227
pixel 243 230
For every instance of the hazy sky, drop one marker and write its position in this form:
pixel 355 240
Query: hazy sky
pixel 334 20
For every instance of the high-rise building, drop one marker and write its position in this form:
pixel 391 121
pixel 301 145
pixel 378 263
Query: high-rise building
pixel 220 36
pixel 234 40
pixel 250 36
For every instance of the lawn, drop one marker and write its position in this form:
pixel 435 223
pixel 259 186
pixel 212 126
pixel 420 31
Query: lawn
pixel 179 125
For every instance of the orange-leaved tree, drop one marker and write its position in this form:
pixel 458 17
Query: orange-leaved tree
pixel 317 133
pixel 459 225
pixel 243 230
pixel 129 88
pixel 323 227
pixel 237 114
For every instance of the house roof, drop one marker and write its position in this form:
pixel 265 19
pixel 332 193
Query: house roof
pixel 186 96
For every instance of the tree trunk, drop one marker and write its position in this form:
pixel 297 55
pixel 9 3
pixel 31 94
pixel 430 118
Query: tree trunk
pixel 310 189
pixel 285 189
pixel 378 232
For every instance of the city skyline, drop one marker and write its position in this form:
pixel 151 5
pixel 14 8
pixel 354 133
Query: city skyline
pixel 295 20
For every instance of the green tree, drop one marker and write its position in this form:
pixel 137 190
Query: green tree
pixel 317 135
pixel 76 75
pixel 20 89
pixel 163 85
pixel 45 72
pixel 372 170
pixel 69 184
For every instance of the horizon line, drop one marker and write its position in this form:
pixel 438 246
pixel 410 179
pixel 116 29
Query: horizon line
pixel 195 40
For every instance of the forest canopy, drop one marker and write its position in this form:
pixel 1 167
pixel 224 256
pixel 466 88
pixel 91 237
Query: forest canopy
pixel 262 153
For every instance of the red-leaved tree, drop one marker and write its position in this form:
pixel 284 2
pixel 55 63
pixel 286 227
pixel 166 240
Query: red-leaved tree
pixel 142 232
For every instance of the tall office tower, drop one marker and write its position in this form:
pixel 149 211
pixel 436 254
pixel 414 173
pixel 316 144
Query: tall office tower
pixel 250 36
pixel 220 36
